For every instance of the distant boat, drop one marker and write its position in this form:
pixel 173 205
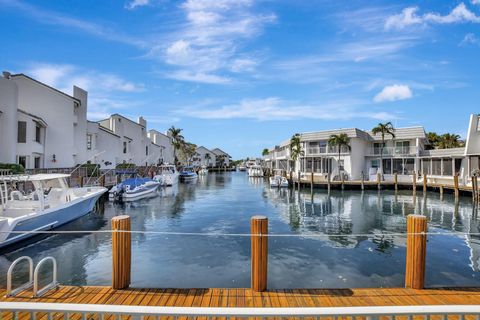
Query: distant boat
pixel 188 174
pixel 242 168
pixel 203 171
pixel 52 203
pixel 167 175
pixel 255 171
pixel 133 189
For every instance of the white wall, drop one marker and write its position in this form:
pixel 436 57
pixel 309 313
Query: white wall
pixel 8 120
pixel 165 142
pixel 106 147
pixel 473 135
pixel 80 126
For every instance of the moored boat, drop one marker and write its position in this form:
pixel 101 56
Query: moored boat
pixel 167 175
pixel 133 189
pixel 51 204
pixel 255 171
pixel 203 171
pixel 188 174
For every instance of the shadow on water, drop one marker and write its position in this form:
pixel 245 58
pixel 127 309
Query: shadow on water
pixel 339 239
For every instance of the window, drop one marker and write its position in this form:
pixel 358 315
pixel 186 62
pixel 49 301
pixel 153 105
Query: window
pixel 436 167
pixel 146 150
pixel 22 132
pixel 22 160
pixel 375 163
pixel 38 135
pixel 409 166
pixel 458 165
pixel 341 166
pixel 402 147
pixel 387 166
pixel 398 166
pixel 36 164
pixel 377 147
pixel 426 166
pixel 124 146
pixel 447 167
pixel 89 142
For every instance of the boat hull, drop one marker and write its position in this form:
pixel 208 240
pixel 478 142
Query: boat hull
pixel 50 219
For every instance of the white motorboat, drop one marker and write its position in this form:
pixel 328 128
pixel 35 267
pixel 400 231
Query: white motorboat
pixel 203 171
pixel 134 189
pixel 167 175
pixel 188 174
pixel 255 171
pixel 50 204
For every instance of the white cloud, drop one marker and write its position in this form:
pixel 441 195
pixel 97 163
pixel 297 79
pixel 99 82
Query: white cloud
pixel 475 1
pixel 136 3
pixel 209 42
pixel 393 93
pixel 409 17
pixel 274 108
pixel 470 38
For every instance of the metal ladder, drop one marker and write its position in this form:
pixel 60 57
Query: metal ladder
pixel 33 277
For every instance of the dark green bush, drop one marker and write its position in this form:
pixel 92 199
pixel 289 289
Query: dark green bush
pixel 13 167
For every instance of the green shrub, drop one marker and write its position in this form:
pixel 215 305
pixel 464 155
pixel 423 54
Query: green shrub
pixel 13 167
pixel 92 169
pixel 126 166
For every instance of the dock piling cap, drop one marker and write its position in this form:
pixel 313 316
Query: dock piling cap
pixel 122 217
pixel 417 216
pixel 259 217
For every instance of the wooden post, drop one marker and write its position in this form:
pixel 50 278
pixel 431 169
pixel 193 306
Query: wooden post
pixel 328 182
pixel 291 178
pixel 311 182
pixel 363 182
pixel 474 187
pixel 395 181
pixel 416 251
pixel 259 228
pixel 80 181
pixel 455 186
pixel 343 181
pixel 425 183
pixel 102 180
pixel 414 182
pixel 379 180
pixel 121 252
pixel 441 192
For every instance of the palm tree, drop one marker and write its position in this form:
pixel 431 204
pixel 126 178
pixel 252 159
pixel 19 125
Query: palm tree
pixel 384 129
pixel 220 160
pixel 265 152
pixel 208 157
pixel 449 140
pixel 434 139
pixel 339 141
pixel 177 141
pixel 295 147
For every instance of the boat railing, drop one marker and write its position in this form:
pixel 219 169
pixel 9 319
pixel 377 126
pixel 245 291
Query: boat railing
pixel 90 311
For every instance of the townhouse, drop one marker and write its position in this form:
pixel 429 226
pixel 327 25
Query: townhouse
pixel 42 127
pixel 204 157
pixel 222 158
pixel 407 153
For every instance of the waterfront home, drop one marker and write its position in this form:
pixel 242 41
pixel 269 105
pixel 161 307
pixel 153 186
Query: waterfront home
pixel 222 158
pixel 40 126
pixel 403 155
pixel 43 127
pixel 201 158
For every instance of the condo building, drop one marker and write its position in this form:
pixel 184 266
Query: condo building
pixel 407 153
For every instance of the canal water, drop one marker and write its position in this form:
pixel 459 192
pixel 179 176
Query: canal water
pixel 345 239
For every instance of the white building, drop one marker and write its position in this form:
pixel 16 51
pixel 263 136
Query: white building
pixel 221 157
pixel 403 155
pixel 42 127
pixel 204 157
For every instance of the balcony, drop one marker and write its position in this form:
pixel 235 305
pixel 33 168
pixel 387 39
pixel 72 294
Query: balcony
pixel 326 150
pixel 393 151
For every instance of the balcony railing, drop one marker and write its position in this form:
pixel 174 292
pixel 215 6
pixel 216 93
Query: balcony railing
pixel 326 150
pixel 393 151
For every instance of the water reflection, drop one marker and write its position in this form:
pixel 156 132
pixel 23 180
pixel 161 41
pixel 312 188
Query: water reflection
pixel 346 238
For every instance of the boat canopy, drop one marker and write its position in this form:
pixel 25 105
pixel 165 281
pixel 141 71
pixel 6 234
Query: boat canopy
pixel 135 182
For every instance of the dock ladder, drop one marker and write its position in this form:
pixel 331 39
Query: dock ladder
pixel 33 277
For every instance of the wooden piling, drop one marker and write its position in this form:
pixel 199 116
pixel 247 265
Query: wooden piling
pixel 474 189
pixel 121 252
pixel 416 251
pixel 311 182
pixel 291 178
pixel 455 186
pixel 259 228
pixel 414 182
pixel 379 177
pixel 81 182
pixel 425 183
pixel 395 181
pixel 343 180
pixel 362 185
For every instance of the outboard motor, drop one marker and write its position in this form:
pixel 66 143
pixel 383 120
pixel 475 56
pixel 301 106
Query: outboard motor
pixel 118 194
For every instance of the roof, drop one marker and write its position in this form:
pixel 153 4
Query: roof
pixel 452 152
pixel 402 133
pixel 123 117
pixel 202 147
pixel 34 177
pixel 45 85
pixel 325 135
pixel 218 151
pixel 39 119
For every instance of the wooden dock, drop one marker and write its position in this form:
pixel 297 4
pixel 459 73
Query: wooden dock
pixel 248 298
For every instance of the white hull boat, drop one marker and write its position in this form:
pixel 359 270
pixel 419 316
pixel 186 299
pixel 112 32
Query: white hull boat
pixel 188 174
pixel 51 204
pixel 278 182
pixel 203 171
pixel 255 171
pixel 134 189
pixel 167 176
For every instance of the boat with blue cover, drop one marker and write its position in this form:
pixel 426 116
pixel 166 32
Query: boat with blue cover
pixel 133 189
pixel 188 174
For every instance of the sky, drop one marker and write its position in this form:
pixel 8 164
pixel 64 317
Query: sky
pixel 244 75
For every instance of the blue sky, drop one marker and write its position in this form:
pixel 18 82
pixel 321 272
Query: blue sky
pixel 244 74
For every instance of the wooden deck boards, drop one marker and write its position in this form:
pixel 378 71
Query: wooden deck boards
pixel 246 298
